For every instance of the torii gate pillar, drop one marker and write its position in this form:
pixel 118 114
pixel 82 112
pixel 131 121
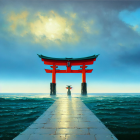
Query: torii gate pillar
pixel 52 88
pixel 83 84
pixel 83 88
pixel 53 84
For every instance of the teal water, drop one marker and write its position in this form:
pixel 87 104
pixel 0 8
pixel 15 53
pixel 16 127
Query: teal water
pixel 119 112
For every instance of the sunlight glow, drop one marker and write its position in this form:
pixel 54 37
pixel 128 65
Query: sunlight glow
pixel 52 28
pixel 49 27
pixel 44 27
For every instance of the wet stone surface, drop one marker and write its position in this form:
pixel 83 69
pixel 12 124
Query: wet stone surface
pixel 67 119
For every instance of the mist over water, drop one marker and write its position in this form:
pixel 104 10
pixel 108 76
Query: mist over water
pixel 119 112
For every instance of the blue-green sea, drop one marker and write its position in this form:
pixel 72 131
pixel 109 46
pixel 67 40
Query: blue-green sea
pixel 119 112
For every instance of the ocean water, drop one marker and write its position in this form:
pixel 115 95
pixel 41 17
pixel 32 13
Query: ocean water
pixel 119 112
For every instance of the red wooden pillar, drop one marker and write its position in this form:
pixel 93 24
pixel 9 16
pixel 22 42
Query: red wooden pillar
pixel 83 84
pixel 54 73
pixel 83 73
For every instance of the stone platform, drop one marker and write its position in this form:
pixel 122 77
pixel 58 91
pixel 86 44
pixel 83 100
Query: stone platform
pixel 67 119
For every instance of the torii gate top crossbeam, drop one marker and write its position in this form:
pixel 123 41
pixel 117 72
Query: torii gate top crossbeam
pixel 68 61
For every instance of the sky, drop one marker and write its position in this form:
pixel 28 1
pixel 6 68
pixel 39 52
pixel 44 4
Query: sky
pixel 69 29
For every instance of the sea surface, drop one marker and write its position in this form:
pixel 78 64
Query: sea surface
pixel 119 112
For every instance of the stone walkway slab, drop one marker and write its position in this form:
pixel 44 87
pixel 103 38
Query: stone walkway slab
pixel 67 119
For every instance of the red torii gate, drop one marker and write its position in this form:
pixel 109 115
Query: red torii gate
pixel 68 62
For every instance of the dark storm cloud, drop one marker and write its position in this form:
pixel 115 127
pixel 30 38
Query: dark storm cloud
pixel 115 34
pixel 116 4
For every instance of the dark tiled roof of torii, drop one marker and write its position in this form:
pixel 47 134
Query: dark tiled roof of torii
pixel 82 58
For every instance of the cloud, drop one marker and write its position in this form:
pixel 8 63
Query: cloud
pixel 49 27
pixel 71 14
pixel 89 27
pixel 72 23
pixel 131 18
pixel 17 19
pixel 53 27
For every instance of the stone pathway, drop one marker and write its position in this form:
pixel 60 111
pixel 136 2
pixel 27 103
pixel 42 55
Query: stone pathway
pixel 67 119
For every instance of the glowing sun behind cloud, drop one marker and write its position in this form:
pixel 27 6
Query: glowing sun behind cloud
pixel 48 27
pixel 53 27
